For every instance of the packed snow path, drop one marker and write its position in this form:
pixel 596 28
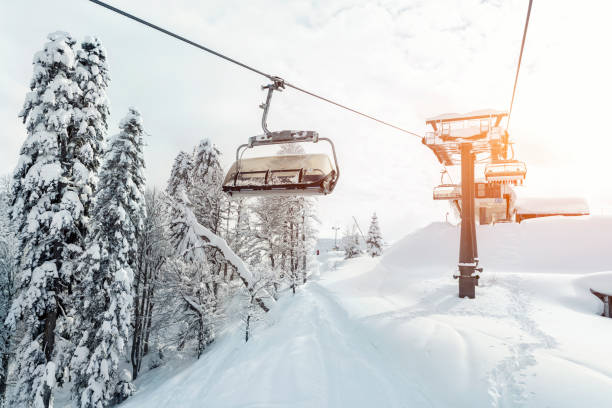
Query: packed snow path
pixel 391 332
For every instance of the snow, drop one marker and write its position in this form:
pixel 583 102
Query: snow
pixel 50 373
pixel 551 205
pixel 390 331
pixel 601 282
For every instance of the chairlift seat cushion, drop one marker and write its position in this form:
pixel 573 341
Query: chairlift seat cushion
pixel 290 174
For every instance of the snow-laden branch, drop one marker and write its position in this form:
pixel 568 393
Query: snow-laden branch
pixel 219 243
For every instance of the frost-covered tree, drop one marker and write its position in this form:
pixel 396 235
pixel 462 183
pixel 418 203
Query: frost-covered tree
pixel 108 268
pixel 243 238
pixel 374 240
pixel 49 203
pixel 350 243
pixel 153 252
pixel 286 227
pixel 190 273
pixel 7 279
pixel 262 284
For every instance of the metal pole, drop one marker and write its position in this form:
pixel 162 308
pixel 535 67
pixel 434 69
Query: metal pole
pixel 466 247
pixel 361 232
pixel 473 216
pixel 335 237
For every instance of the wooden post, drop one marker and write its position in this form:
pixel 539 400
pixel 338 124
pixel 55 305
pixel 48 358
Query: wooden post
pixel 467 247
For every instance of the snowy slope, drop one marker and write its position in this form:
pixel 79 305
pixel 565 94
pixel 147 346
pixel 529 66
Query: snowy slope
pixel 391 332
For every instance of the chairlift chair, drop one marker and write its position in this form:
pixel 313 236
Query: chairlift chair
pixel 447 192
pixel 297 174
pixel 506 171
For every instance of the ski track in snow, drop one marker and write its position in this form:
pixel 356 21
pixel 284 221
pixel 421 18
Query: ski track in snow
pixel 506 379
pixel 507 386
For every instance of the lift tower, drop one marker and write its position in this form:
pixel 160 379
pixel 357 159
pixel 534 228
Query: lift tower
pixel 461 140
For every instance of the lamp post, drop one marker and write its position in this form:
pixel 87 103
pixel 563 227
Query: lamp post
pixel 335 237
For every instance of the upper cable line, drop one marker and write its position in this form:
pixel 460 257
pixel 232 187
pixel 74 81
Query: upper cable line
pixel 273 78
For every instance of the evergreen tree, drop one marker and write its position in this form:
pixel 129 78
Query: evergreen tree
pixel 49 202
pixel 206 178
pixel 180 176
pixel 374 241
pixel 91 117
pixel 108 268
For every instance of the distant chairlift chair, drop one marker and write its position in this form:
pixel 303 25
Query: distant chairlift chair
pixel 506 171
pixel 298 174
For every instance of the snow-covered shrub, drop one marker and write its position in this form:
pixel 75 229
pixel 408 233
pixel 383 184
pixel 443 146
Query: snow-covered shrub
pixel 350 244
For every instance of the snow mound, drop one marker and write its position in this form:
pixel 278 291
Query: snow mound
pixel 552 244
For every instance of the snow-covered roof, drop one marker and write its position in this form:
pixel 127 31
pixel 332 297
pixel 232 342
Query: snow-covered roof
pixel 482 113
pixel 601 282
pixel 548 205
pixel 466 132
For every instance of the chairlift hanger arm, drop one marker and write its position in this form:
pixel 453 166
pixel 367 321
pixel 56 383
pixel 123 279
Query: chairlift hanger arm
pixel 278 84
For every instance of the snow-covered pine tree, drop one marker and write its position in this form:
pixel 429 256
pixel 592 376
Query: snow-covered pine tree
pixel 374 240
pixel 91 117
pixel 350 244
pixel 208 200
pixel 206 178
pixel 180 175
pixel 49 216
pixel 108 268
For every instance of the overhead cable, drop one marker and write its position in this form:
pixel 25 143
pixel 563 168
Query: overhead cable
pixel 225 57
pixel 518 67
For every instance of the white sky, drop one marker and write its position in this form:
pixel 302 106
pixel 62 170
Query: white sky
pixel 402 61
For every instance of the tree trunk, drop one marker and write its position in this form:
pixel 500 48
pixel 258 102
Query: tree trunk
pixel 48 347
pixel 248 322
pixel 149 319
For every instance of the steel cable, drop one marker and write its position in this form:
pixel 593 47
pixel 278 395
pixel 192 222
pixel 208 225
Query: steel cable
pixel 270 77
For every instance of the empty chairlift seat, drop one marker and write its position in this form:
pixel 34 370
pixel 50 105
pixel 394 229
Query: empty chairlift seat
pixel 447 192
pixel 507 171
pixel 298 174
